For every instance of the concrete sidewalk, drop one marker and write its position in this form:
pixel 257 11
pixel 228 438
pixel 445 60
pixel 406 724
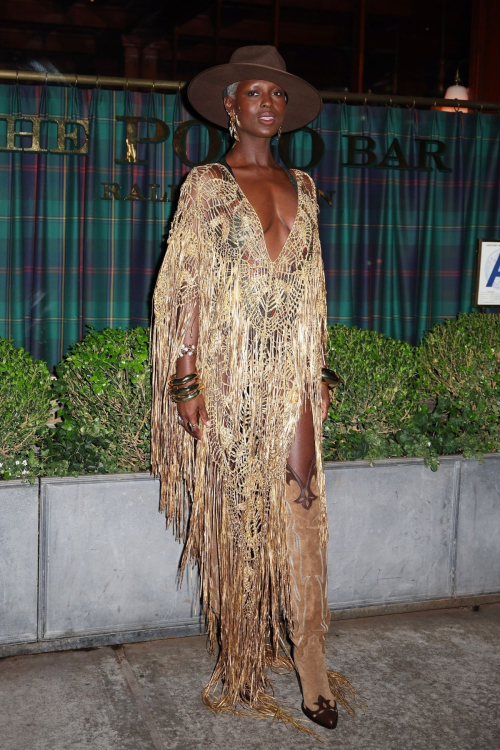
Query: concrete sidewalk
pixel 432 679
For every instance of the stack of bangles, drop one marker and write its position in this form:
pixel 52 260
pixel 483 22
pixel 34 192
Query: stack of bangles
pixel 185 388
pixel 189 386
pixel 329 377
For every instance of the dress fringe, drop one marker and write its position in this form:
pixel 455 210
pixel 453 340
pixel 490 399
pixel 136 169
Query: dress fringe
pixel 344 693
pixel 264 706
pixel 261 334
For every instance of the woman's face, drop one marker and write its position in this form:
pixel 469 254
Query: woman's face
pixel 260 107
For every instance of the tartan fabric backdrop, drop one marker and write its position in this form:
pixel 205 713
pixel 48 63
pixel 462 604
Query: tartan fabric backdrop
pixel 399 245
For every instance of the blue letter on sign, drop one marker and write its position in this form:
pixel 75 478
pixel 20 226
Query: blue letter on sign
pixel 495 273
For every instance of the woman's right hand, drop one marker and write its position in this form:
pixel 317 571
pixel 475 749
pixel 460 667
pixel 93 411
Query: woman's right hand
pixel 191 412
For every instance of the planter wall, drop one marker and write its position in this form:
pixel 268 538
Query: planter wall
pixel 478 537
pixel 106 570
pixel 106 562
pixel 392 528
pixel 18 561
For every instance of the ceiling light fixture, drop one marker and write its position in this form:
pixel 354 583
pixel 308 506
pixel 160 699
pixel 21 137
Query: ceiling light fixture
pixel 456 92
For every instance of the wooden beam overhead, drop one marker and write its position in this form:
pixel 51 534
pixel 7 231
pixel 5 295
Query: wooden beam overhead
pixel 257 32
pixel 485 53
pixel 359 47
pixel 217 27
pixel 49 13
pixel 49 42
pixel 374 7
pixel 384 45
pixel 276 22
pixel 163 15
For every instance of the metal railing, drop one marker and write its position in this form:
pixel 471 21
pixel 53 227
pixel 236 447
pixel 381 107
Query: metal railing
pixel 340 97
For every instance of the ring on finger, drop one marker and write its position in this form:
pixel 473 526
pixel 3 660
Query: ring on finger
pixel 190 426
pixel 179 419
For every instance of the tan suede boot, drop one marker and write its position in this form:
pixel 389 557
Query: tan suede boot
pixel 310 612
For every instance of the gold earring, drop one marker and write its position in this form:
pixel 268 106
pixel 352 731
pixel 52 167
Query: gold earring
pixel 232 126
pixel 278 134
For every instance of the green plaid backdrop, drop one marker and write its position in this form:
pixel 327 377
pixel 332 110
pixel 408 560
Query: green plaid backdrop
pixel 399 245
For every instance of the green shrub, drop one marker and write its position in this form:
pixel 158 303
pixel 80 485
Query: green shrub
pixel 376 396
pixel 442 397
pixel 25 409
pixel 458 365
pixel 104 389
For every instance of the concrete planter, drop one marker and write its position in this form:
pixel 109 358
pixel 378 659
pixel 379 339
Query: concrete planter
pixel 401 537
pixel 107 565
pixel 402 533
pixel 18 562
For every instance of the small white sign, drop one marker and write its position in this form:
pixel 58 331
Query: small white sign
pixel 488 274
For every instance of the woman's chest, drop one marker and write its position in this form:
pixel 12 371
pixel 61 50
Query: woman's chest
pixel 245 282
pixel 274 205
pixel 236 238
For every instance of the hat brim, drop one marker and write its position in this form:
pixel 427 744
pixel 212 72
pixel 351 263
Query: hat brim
pixel 205 93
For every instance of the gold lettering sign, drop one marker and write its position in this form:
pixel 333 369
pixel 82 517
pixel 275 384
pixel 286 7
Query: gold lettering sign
pixel 111 191
pixel 179 142
pixel 34 134
pixel 135 194
pixel 361 154
pixel 63 136
pixel 434 154
pixel 317 148
pixel 394 158
pixel 367 148
pixel 161 134
pixel 327 195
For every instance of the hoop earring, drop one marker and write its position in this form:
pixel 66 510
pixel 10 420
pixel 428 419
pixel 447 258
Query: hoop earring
pixel 232 126
pixel 278 134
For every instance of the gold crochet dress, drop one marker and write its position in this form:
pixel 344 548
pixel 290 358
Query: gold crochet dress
pixel 262 328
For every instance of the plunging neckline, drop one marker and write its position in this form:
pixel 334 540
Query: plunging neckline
pixel 270 260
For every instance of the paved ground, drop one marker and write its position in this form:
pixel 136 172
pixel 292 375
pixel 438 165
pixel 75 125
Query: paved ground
pixel 432 678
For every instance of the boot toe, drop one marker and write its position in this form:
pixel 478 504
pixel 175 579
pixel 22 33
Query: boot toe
pixel 325 715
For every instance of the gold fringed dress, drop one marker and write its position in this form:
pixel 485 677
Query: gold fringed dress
pixel 262 328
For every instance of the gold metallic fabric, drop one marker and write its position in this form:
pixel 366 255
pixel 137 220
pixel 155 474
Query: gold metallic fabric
pixel 262 329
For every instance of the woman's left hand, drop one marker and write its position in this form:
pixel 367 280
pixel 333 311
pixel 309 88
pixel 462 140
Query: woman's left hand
pixel 325 401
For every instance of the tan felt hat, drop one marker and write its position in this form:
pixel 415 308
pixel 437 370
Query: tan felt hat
pixel 261 63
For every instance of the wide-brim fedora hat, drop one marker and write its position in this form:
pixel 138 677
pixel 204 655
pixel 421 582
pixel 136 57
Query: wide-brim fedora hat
pixel 256 62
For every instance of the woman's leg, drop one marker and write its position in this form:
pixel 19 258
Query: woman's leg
pixel 310 612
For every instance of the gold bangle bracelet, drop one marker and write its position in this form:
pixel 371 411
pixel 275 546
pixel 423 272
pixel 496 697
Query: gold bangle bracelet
pixel 188 397
pixel 185 379
pixel 187 384
pixel 187 389
pixel 329 377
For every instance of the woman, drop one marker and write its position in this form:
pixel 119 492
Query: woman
pixel 238 400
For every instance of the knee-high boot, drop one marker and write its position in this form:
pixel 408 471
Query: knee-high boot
pixel 310 613
pixel 308 594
